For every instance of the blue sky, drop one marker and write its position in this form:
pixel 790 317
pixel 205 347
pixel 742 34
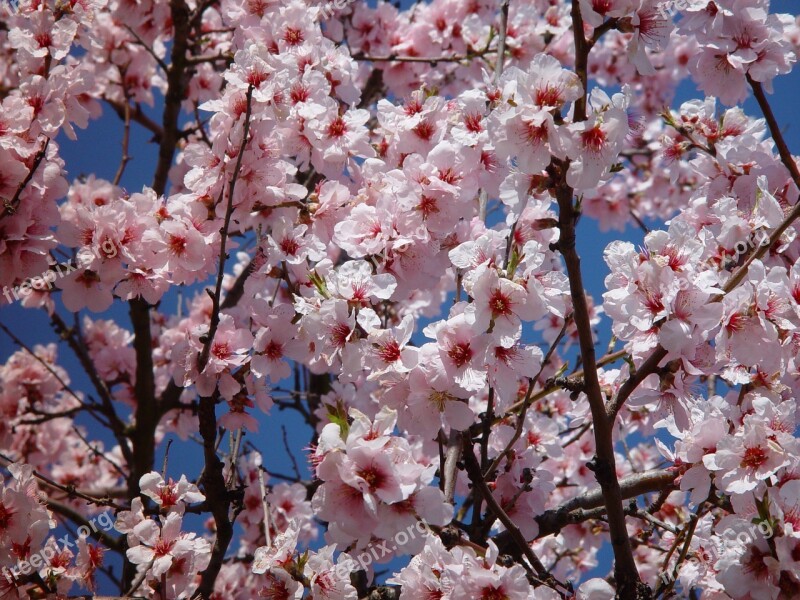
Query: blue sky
pixel 98 150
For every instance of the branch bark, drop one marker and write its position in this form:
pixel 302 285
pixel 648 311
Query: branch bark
pixel 214 486
pixel 574 510
pixel 629 585
pixel 476 477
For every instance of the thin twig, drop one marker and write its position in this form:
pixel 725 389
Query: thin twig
pixel 136 584
pixel 264 505
pixel 501 41
pixel 41 361
pixel 10 207
pixel 71 492
pixel 215 297
pixel 527 402
pixel 126 134
pixel 217 494
pixel 415 59
pixel 147 47
pixel 289 452
pixel 476 477
pixel 137 115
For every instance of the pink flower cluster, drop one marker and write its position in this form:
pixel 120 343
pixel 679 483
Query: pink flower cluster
pixel 379 204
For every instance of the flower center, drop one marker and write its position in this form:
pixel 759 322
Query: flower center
pixel 337 128
pixel 389 352
pixel 293 36
pixel 460 354
pixel 594 139
pixel 753 458
pixel 500 304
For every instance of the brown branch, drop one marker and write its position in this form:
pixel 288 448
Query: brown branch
pixel 554 387
pixel 415 59
pixel 10 206
pixel 107 407
pixel 473 470
pixel 582 49
pixel 175 93
pixel 527 402
pixel 234 294
pixel 146 413
pixel 650 365
pixel 788 161
pixel 196 60
pixel 604 462
pixel 664 590
pixel 591 505
pixel 170 397
pixel 126 136
pixel 137 116
pixel 646 516
pixel 630 487
pixel 647 368
pixel 100 535
pixel 218 498
pixel 147 47
pixel 601 30
pixel 215 297
pixel 629 585
pixel 45 364
pixel 97 453
pixel 775 130
pixel 69 490
pixel 483 196
pixel 217 494
pixel 372 89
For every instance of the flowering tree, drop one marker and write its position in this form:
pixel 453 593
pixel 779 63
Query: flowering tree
pixel 373 213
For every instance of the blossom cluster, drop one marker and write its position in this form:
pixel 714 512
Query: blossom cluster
pixel 34 553
pixel 379 204
pixel 157 546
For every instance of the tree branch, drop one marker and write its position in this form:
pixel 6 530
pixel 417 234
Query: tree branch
pixel 10 206
pixel 604 462
pixel 476 477
pixel 217 494
pixel 175 93
pixel 138 116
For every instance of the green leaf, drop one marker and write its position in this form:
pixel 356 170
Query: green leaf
pixel 338 416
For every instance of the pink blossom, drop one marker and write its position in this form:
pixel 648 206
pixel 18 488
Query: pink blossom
pixel 160 547
pixel 167 494
pixel 462 348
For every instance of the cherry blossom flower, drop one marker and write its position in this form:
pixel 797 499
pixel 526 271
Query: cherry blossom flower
pixel 159 548
pixel 276 341
pixel 168 494
pixel 746 459
pixel 355 282
pixel 595 143
pixel 434 402
pixel 462 349
pixel 361 196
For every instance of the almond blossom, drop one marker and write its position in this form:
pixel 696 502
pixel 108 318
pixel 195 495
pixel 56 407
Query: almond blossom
pixel 347 256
